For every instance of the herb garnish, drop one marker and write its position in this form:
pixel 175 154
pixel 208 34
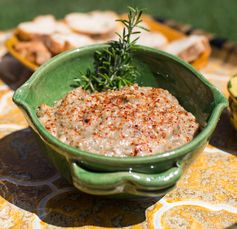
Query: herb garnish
pixel 113 67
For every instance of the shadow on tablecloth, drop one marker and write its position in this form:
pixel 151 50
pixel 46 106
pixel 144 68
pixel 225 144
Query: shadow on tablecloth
pixel 225 136
pixel 12 72
pixel 31 183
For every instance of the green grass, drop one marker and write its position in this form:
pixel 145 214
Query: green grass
pixel 217 16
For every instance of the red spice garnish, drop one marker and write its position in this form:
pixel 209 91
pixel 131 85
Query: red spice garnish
pixel 140 116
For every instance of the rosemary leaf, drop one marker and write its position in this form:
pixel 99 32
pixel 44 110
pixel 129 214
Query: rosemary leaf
pixel 113 68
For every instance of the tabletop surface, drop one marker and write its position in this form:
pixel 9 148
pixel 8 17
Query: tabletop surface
pixel 33 194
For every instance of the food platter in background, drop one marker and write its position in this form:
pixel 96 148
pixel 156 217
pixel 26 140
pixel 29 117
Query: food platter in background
pixel 161 36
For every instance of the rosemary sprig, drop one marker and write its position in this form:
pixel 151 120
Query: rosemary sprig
pixel 113 67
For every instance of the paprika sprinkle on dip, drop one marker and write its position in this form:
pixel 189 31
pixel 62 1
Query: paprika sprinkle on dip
pixel 132 121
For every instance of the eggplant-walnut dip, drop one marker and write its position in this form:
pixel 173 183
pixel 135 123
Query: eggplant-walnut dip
pixel 132 121
pixel 111 115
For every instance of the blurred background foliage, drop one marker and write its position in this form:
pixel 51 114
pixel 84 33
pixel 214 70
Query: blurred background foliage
pixel 216 16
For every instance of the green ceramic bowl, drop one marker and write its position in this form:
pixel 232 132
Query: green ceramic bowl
pixel 102 175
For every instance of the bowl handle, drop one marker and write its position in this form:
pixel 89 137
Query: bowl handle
pixel 119 182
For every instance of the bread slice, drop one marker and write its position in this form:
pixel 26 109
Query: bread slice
pixel 146 38
pixel 34 51
pixel 4 36
pixel 151 39
pixel 39 27
pixel 58 43
pixel 62 28
pixel 188 48
pixel 93 23
pixel 113 35
pixel 48 18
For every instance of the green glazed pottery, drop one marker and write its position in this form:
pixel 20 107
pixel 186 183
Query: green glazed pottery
pixel 232 88
pixel 103 175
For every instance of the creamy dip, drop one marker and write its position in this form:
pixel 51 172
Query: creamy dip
pixel 132 121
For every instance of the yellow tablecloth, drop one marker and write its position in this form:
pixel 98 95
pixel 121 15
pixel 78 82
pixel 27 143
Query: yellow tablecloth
pixel 34 195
